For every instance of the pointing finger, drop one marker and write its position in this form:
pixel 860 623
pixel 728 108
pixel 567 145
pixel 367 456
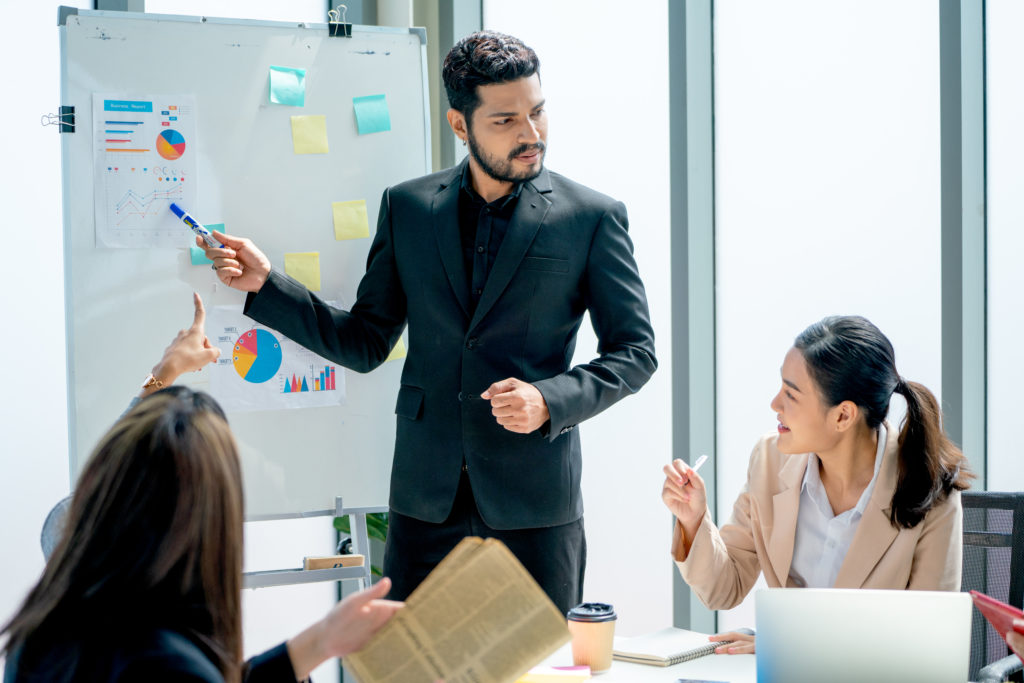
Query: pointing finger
pixel 200 315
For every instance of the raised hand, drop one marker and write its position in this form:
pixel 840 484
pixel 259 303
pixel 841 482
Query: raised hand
pixel 684 495
pixel 187 352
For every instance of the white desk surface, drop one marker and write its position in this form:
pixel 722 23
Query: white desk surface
pixel 726 668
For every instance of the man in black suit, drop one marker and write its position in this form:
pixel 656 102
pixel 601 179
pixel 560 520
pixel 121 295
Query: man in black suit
pixel 492 265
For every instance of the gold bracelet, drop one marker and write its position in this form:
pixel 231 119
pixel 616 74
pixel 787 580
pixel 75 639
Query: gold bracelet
pixel 152 381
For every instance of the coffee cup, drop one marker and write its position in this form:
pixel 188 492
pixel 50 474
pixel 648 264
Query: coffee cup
pixel 592 626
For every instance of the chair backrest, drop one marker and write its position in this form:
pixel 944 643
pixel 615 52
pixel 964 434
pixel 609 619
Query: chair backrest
pixel 993 563
pixel 53 527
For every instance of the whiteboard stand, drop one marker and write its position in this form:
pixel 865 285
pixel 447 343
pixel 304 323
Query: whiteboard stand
pixel 360 546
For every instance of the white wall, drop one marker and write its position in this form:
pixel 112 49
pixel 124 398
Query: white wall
pixel 605 74
pixel 34 471
pixel 827 195
pixel 33 412
pixel 1005 142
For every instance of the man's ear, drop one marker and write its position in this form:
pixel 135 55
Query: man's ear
pixel 457 121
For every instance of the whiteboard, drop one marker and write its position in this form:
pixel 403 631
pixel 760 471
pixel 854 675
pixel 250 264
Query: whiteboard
pixel 124 305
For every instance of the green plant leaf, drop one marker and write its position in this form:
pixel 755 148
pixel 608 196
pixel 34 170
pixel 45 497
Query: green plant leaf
pixel 376 525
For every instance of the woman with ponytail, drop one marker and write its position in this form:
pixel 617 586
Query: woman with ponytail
pixel 836 498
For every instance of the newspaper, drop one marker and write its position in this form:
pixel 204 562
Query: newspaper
pixel 479 617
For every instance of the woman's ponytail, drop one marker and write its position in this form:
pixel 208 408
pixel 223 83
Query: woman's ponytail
pixel 930 466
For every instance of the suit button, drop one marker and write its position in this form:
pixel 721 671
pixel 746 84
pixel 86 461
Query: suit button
pixel 480 250
pixel 471 343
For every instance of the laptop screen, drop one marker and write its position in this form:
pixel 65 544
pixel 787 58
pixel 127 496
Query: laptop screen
pixel 855 636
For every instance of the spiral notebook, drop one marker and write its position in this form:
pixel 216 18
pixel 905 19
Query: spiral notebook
pixel 664 648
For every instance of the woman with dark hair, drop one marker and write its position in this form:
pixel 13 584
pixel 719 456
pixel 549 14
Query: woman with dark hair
pixel 836 498
pixel 145 582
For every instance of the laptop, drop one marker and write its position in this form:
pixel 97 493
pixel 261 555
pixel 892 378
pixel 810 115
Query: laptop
pixel 807 635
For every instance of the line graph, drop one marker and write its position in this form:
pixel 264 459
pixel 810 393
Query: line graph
pixel 133 203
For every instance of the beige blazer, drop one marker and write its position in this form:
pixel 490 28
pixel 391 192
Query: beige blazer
pixel 723 564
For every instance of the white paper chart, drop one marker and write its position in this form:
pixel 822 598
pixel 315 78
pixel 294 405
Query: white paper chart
pixel 145 158
pixel 261 369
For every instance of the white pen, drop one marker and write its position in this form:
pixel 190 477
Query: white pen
pixel 700 461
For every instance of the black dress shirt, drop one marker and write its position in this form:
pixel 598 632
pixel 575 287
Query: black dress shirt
pixel 482 227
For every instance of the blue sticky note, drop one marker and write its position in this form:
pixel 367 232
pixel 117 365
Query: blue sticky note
pixel 288 86
pixel 372 114
pixel 197 254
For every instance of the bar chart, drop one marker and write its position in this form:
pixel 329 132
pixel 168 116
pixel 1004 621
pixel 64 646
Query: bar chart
pixel 322 378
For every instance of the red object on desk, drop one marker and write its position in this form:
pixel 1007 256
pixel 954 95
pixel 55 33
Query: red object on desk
pixel 998 613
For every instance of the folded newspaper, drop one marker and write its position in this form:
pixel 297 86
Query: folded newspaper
pixel 479 617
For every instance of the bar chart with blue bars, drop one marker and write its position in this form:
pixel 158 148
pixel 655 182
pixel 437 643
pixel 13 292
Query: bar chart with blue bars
pixel 321 378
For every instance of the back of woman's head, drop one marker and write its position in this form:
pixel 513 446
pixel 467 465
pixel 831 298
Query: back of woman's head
pixel 154 533
pixel 851 360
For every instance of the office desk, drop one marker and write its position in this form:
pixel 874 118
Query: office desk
pixel 730 668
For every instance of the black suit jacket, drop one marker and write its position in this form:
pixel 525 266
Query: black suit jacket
pixel 566 252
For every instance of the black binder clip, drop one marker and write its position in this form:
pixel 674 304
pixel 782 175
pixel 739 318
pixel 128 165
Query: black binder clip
pixel 65 120
pixel 337 27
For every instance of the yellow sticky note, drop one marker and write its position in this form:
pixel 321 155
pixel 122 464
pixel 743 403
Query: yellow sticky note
pixel 397 352
pixel 304 267
pixel 309 134
pixel 350 220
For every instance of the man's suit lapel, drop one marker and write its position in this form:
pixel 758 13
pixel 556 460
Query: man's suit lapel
pixel 785 506
pixel 531 208
pixel 449 241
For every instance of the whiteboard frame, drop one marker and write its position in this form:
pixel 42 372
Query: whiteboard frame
pixel 66 150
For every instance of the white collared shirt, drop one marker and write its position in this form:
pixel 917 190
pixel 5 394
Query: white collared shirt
pixel 823 538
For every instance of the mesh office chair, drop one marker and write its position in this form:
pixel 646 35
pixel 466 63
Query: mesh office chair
pixel 993 564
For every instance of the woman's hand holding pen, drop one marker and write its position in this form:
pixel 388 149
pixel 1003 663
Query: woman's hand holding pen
pixel 684 494
pixel 239 263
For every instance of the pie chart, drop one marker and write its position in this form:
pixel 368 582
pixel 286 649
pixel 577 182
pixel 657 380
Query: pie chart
pixel 170 144
pixel 257 356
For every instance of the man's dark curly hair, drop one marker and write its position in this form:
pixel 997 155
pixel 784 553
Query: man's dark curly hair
pixel 483 58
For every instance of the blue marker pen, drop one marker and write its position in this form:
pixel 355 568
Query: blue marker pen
pixel 197 227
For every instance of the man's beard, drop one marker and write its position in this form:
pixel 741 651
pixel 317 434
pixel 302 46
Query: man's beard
pixel 502 169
